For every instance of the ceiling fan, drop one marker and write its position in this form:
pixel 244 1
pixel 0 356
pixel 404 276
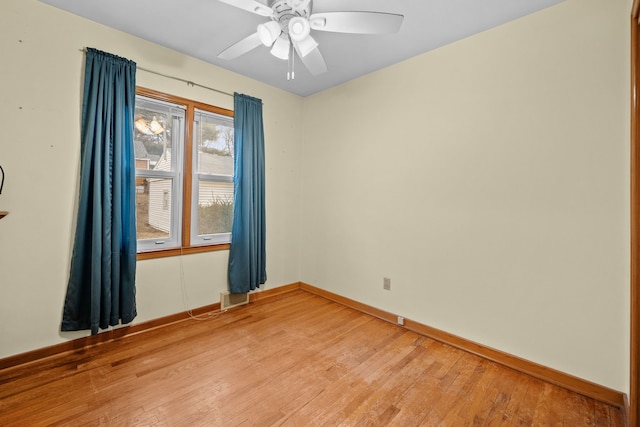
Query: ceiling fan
pixel 290 27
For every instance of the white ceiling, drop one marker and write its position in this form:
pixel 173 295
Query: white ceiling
pixel 204 28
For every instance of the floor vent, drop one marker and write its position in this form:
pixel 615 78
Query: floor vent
pixel 228 300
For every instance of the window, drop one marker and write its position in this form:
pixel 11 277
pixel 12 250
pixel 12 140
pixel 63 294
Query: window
pixel 212 188
pixel 184 175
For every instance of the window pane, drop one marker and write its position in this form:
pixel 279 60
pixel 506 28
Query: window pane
pixel 154 207
pixel 213 138
pixel 213 164
pixel 159 141
pixel 215 207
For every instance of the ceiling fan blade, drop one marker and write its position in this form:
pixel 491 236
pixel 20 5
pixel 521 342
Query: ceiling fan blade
pixel 305 46
pixel 251 6
pixel 243 46
pixel 357 22
pixel 314 61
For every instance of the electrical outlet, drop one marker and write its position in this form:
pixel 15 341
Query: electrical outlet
pixel 386 284
pixel 400 320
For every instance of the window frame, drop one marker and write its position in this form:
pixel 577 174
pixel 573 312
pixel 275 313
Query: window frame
pixel 186 174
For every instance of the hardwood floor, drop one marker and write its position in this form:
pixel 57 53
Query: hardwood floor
pixel 291 360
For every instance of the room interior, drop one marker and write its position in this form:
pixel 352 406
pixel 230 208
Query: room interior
pixel 487 178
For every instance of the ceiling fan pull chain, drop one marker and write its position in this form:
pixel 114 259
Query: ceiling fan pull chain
pixel 290 74
pixel 289 63
pixel 293 63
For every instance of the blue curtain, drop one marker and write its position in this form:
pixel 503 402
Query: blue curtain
pixel 247 257
pixel 101 288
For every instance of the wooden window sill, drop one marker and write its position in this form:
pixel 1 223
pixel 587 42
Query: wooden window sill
pixel 182 251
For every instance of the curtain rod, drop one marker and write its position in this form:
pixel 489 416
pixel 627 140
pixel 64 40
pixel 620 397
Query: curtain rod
pixel 188 82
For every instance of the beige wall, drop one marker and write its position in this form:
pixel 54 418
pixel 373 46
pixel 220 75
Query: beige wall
pixel 489 180
pixel 40 82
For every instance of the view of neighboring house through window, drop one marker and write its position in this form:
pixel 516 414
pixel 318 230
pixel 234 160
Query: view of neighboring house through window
pixel 212 189
pixel 184 187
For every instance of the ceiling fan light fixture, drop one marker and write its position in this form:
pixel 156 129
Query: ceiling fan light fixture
pixel 299 29
pixel 269 32
pixel 281 48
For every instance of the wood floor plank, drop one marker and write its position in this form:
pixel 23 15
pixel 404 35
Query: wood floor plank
pixel 483 395
pixel 464 376
pixel 293 360
pixel 503 391
pixel 616 417
pixel 430 386
pixel 579 411
pixel 360 380
pixel 516 412
pixel 602 415
pixel 384 404
pixel 547 410
pixel 380 405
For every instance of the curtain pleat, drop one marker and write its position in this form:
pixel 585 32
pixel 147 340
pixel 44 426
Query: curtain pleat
pixel 247 256
pixel 101 287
